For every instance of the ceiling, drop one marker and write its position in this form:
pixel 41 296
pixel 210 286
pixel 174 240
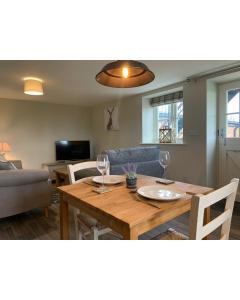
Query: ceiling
pixel 73 82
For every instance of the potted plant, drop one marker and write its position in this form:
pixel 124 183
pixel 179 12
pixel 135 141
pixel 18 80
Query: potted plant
pixel 131 176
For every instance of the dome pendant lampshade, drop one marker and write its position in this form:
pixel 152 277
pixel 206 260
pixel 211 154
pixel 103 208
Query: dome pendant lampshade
pixel 33 86
pixel 125 74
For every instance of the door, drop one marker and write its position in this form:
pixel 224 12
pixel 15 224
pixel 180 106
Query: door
pixel 229 133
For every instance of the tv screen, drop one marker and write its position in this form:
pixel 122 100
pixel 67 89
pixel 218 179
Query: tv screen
pixel 72 150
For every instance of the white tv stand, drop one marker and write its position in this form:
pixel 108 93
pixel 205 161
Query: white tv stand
pixel 51 166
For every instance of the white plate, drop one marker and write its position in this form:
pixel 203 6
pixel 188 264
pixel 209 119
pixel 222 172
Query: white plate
pixel 157 193
pixel 109 179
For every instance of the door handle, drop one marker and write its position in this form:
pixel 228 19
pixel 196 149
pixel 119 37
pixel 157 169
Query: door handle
pixel 223 136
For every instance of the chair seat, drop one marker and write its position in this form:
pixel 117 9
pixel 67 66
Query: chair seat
pixel 170 234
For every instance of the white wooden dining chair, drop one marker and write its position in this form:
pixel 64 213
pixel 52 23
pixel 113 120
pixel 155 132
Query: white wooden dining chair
pixel 85 225
pixel 199 203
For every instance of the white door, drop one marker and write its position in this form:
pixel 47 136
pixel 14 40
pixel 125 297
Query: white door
pixel 229 132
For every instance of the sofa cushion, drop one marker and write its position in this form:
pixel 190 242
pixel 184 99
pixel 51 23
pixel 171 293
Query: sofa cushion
pixel 138 154
pixel 21 177
pixel 146 158
pixel 86 173
pixel 149 168
pixel 7 165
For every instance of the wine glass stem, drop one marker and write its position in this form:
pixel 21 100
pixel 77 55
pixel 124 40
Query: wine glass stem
pixel 103 180
pixel 164 172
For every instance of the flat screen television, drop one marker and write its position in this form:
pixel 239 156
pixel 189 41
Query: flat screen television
pixel 72 150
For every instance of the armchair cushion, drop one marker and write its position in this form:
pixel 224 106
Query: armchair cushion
pixel 22 177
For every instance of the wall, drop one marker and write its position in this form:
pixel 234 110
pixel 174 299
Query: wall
pixel 188 161
pixel 211 134
pixel 31 128
pixel 130 118
pixel 149 122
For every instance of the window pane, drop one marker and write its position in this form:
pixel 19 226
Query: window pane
pixel 179 109
pixel 179 120
pixel 164 116
pixel 233 101
pixel 233 126
pixel 171 116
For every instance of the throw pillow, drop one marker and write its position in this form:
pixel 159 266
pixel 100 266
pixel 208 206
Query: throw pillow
pixel 7 165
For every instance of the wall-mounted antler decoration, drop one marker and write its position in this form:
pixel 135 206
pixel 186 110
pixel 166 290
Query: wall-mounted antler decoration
pixel 111 118
pixel 110 121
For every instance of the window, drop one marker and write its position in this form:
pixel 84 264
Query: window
pixel 233 113
pixel 171 116
pixel 164 111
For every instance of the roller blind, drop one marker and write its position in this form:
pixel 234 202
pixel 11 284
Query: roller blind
pixel 167 99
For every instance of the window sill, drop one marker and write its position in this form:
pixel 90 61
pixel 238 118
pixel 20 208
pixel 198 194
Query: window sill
pixel 165 144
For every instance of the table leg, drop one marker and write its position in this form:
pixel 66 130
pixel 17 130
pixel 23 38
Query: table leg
pixel 207 219
pixel 64 224
pixel 58 180
pixel 131 234
pixel 46 212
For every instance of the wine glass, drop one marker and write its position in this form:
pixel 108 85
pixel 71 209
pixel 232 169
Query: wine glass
pixel 102 166
pixel 164 161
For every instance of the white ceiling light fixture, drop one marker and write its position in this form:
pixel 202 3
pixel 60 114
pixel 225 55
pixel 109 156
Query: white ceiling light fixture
pixel 33 86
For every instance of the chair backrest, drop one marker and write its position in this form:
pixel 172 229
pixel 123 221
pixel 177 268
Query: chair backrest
pixel 200 202
pixel 72 169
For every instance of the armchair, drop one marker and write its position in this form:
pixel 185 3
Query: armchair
pixel 23 190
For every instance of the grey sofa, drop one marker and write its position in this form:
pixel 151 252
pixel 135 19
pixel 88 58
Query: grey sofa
pixel 146 159
pixel 23 190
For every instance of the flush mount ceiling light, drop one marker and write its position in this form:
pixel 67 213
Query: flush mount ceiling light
pixel 33 86
pixel 125 74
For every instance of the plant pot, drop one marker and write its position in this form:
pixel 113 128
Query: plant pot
pixel 131 183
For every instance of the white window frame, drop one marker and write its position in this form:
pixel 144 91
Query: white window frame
pixel 150 130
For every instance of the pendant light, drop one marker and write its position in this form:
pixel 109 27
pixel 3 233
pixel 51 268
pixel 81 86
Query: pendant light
pixel 33 86
pixel 125 74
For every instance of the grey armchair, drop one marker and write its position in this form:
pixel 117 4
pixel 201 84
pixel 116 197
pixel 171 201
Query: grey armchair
pixel 146 159
pixel 23 190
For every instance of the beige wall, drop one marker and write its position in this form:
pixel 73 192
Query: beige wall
pixel 32 128
pixel 211 134
pixel 188 161
pixel 130 126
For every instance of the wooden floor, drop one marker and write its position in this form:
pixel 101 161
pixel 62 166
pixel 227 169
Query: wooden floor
pixel 35 226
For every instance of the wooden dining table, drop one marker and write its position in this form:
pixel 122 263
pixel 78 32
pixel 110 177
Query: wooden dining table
pixel 125 211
